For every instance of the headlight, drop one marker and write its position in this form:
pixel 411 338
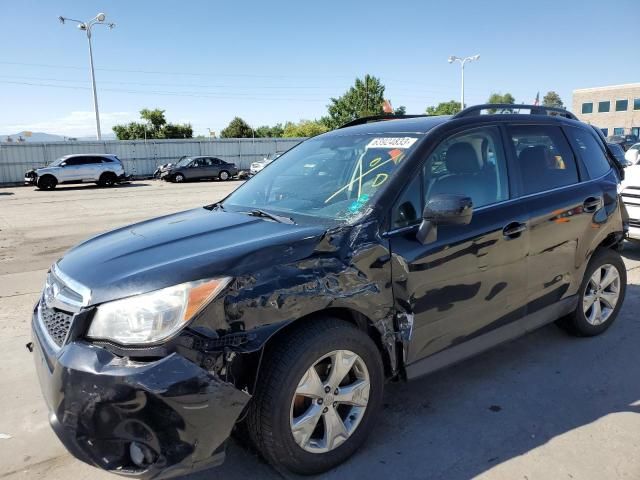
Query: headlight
pixel 155 316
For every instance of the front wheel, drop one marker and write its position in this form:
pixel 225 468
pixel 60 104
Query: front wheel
pixel 224 175
pixel 178 178
pixel 600 297
pixel 317 396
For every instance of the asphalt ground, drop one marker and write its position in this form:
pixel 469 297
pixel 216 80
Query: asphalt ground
pixel 546 406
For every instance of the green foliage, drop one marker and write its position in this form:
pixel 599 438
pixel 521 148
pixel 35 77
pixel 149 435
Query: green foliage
pixel 155 126
pixel 237 128
pixel 500 98
pixel 305 128
pixel 401 110
pixel 444 108
pixel 552 99
pixel 363 99
pixel 266 131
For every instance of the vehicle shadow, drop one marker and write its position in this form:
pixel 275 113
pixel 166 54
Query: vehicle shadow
pixel 6 193
pixel 467 419
pixel 65 188
pixel 631 250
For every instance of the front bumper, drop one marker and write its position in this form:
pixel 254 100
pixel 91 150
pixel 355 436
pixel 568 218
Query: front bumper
pixel 100 403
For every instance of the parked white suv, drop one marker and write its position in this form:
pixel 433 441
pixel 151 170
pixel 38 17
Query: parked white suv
pixel 103 169
pixel 631 199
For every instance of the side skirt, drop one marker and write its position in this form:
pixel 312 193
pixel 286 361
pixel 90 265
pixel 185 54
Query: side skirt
pixel 500 335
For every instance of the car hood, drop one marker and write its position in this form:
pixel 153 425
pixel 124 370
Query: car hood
pixel 186 246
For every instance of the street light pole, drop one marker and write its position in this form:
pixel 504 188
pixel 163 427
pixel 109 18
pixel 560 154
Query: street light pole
pixel 462 62
pixel 87 26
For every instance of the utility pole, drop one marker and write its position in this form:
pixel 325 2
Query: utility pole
pixel 462 62
pixel 87 26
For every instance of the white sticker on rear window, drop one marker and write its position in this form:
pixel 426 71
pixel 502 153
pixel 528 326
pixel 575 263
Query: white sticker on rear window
pixel 391 142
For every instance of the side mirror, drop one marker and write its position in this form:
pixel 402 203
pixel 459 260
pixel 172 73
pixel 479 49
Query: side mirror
pixel 63 164
pixel 443 209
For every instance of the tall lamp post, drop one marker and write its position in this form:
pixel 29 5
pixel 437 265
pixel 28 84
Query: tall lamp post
pixel 462 61
pixel 87 26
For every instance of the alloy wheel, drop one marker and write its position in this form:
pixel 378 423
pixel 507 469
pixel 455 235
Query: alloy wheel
pixel 330 401
pixel 601 294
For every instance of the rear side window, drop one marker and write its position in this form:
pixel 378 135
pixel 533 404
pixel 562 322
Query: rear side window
pixel 590 151
pixel 544 157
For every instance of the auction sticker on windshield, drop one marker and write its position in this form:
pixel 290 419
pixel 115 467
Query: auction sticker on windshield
pixel 391 142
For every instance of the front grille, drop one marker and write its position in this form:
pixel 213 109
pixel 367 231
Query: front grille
pixel 56 322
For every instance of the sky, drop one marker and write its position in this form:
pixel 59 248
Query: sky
pixel 205 62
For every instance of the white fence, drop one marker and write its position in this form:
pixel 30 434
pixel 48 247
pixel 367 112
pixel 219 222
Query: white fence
pixel 139 157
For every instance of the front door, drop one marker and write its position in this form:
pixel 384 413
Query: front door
pixel 471 280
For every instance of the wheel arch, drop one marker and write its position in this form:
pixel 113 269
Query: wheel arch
pixel 349 315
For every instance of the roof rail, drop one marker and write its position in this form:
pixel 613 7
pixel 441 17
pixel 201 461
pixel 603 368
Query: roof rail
pixel 378 118
pixel 502 108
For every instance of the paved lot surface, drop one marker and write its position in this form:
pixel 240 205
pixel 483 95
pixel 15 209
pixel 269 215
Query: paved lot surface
pixel 546 406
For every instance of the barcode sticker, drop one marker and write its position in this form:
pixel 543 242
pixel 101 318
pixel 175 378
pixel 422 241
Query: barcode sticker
pixel 392 142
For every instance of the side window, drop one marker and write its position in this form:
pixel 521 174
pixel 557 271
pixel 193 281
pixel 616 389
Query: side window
pixel 216 161
pixel 74 161
pixel 544 156
pixel 93 160
pixel 470 163
pixel 590 151
pixel 408 209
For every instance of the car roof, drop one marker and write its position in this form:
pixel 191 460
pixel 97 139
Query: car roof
pixel 403 125
pixel 110 155
pixel 424 124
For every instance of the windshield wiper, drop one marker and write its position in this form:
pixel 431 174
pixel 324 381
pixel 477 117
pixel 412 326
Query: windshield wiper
pixel 278 218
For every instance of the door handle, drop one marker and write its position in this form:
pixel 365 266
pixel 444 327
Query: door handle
pixel 513 230
pixel 592 204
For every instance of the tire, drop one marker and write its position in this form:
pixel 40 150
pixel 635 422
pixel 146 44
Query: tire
pixel 584 321
pixel 107 180
pixel 275 404
pixel 47 182
pixel 224 175
pixel 178 178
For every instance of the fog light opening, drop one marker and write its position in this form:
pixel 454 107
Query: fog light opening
pixel 141 455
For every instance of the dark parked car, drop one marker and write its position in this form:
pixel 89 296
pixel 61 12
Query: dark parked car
pixel 382 250
pixel 199 168
pixel 625 141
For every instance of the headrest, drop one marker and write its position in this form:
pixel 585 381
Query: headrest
pixel 461 158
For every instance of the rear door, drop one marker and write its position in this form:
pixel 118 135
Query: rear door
pixel 471 280
pixel 561 206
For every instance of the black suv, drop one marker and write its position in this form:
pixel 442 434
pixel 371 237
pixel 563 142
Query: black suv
pixel 382 250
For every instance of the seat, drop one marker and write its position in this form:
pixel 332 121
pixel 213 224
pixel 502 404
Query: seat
pixel 465 176
pixel 537 171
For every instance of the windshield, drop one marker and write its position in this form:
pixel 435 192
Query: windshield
pixel 334 177
pixel 58 161
pixel 183 162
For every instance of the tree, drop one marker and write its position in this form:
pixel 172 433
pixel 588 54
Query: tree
pixel 363 99
pixel 305 128
pixel 444 108
pixel 401 110
pixel 155 126
pixel 237 128
pixel 552 99
pixel 500 98
pixel 266 131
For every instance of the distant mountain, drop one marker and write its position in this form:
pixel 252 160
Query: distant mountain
pixel 48 137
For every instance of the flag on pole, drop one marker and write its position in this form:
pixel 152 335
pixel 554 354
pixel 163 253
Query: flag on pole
pixel 537 100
